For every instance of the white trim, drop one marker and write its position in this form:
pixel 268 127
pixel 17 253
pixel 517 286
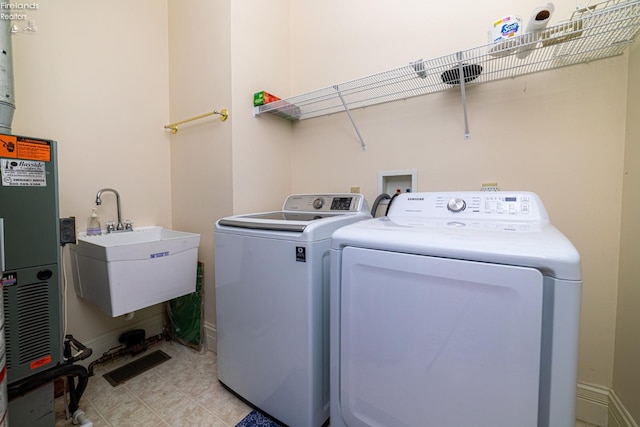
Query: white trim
pixel 592 404
pixel 601 406
pixel 211 337
pixel 618 414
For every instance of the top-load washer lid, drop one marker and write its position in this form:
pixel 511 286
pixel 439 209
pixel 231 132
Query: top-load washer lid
pixel 510 228
pixel 278 221
pixel 299 211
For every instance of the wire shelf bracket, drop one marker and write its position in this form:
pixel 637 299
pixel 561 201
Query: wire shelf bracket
pixel 463 94
pixel 346 109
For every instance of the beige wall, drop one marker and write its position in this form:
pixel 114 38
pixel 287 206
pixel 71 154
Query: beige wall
pixel 219 56
pixel 559 133
pixel 95 78
pixel 260 60
pixel 211 176
pixel 103 78
pixel 626 378
pixel 201 162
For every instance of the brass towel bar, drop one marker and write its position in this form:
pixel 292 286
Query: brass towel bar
pixel 173 127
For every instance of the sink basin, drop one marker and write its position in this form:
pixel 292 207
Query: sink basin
pixel 123 272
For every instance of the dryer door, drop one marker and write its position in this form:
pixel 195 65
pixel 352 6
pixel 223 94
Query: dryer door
pixel 438 342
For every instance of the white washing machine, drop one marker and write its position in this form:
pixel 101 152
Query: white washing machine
pixel 457 309
pixel 272 304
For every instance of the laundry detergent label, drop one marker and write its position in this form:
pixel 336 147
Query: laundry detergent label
pixel 301 254
pixel 23 173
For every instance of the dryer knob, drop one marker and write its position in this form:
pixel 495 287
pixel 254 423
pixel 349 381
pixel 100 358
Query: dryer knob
pixel 318 203
pixel 456 205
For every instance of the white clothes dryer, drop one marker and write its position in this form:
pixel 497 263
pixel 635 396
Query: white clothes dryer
pixel 272 304
pixel 456 309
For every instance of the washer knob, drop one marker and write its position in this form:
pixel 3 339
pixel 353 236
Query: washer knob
pixel 456 205
pixel 318 203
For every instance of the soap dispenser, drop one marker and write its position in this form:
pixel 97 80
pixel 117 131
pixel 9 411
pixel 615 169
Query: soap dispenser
pixel 93 224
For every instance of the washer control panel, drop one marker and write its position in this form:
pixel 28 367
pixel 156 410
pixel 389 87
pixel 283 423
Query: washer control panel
pixel 476 205
pixel 337 203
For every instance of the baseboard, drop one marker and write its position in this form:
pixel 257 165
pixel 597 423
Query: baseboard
pixel 99 345
pixel 592 404
pixel 211 336
pixel 618 414
pixel 601 406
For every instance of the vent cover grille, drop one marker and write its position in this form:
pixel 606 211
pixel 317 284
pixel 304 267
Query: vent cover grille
pixel 34 322
pixel 7 326
pixel 31 334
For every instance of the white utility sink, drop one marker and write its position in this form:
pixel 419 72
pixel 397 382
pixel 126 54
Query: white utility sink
pixel 126 271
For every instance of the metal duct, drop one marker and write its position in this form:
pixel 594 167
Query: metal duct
pixel 7 97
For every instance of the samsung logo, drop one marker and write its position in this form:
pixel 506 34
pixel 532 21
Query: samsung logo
pixel 415 198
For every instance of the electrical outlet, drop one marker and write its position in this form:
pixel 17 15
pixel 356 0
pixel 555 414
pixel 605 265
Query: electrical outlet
pixel 490 186
pixel 68 230
pixel 355 189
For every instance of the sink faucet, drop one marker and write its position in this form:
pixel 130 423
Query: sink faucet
pixel 120 226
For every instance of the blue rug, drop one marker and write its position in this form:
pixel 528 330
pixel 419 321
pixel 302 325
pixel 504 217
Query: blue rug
pixel 257 419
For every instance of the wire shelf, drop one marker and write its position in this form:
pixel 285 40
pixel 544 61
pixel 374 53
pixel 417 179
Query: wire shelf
pixel 599 31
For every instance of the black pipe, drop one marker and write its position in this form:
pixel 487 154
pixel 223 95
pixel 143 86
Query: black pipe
pixel 20 388
pixel 391 201
pixel 84 351
pixel 66 369
pixel 123 350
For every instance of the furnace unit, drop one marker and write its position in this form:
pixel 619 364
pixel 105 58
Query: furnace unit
pixel 30 255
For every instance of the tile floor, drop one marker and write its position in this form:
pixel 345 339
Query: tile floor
pixel 182 391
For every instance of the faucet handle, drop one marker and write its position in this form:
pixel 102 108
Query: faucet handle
pixel 111 226
pixel 128 225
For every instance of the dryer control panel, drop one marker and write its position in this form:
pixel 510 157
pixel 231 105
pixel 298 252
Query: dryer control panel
pixel 332 203
pixel 476 205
